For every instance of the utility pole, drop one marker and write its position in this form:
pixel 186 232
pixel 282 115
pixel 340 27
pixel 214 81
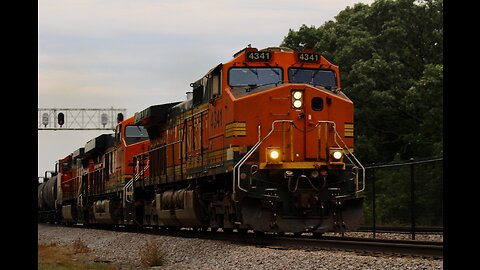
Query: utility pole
pixel 79 119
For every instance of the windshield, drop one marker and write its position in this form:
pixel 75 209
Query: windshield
pixel 254 76
pixel 135 134
pixel 316 77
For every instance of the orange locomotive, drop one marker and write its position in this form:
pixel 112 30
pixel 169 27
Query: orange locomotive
pixel 264 143
pixel 93 183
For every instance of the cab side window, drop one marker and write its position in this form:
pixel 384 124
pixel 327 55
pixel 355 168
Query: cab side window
pixel 216 89
pixel 214 85
pixel 118 134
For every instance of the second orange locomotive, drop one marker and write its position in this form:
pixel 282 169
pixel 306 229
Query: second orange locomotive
pixel 264 143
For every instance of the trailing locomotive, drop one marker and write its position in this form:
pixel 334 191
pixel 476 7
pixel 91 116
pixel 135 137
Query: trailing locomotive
pixel 263 143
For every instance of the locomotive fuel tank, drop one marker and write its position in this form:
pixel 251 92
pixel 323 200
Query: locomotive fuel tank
pixel 179 208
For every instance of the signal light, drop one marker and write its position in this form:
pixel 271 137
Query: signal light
pixel 45 119
pixel 104 119
pixel 61 119
pixel 119 117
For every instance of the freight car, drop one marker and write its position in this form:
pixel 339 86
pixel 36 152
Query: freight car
pixel 264 142
pixel 47 195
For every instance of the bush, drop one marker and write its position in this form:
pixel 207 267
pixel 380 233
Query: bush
pixel 80 247
pixel 151 255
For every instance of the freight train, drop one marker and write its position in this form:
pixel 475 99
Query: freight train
pixel 262 143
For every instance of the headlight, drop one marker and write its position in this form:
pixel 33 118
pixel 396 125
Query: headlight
pixel 336 158
pixel 297 95
pixel 297 99
pixel 297 104
pixel 274 154
pixel 337 155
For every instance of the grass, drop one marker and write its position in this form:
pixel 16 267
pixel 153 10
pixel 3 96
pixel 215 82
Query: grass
pixel 76 257
pixel 152 255
pixel 71 257
pixel 80 247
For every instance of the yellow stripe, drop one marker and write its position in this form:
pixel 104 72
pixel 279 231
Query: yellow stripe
pixel 348 129
pixel 236 133
pixel 235 125
pixel 294 165
pixel 236 129
pixel 300 165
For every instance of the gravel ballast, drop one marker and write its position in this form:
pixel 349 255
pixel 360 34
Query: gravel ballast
pixel 124 249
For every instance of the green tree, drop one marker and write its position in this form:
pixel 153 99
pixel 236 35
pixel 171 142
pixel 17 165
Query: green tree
pixel 390 54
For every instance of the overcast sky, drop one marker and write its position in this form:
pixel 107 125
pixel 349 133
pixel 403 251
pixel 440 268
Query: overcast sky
pixel 135 54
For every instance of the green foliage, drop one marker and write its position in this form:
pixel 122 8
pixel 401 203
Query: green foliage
pixel 390 55
pixel 393 194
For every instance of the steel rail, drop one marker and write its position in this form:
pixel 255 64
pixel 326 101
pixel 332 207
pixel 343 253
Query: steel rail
pixel 400 229
pixel 432 249
pixel 385 246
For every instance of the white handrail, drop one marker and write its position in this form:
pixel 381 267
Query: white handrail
pixel 236 168
pixel 236 182
pixel 349 152
pixel 129 184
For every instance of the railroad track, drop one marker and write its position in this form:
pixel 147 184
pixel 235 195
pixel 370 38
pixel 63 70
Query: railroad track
pixel 365 245
pixel 402 229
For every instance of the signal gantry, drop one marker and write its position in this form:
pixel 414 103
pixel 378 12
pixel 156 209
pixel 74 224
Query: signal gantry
pixel 79 119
